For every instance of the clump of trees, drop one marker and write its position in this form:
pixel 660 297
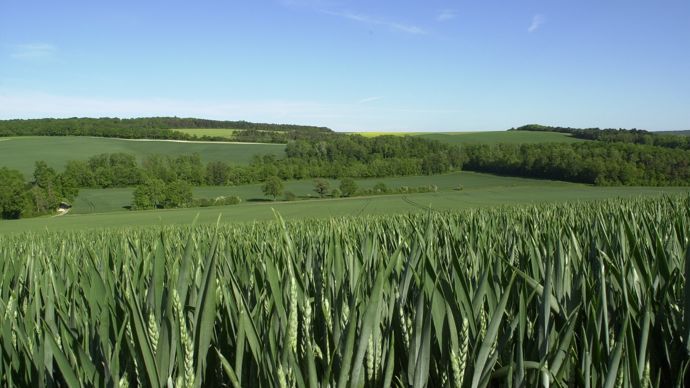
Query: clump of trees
pixel 590 162
pixel 348 187
pixel 42 195
pixel 157 194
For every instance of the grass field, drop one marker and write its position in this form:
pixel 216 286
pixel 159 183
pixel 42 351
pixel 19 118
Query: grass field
pixel 22 152
pixel 480 190
pixel 107 200
pixel 214 132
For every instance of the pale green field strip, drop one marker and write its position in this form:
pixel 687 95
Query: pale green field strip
pixel 21 153
pixel 105 200
pixel 214 132
pixel 325 208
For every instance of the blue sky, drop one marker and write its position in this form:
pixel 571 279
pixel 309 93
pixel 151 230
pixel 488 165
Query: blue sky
pixel 352 65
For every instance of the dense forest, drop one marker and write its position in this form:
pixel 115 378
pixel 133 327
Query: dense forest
pixel 610 135
pixel 597 163
pixel 159 128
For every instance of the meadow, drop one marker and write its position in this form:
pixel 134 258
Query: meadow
pixel 589 294
pixel 21 153
pixel 102 208
pixel 212 132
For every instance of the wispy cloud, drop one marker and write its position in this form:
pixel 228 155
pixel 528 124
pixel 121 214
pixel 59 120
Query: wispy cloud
pixel 537 21
pixel 445 15
pixel 369 99
pixel 374 21
pixel 34 51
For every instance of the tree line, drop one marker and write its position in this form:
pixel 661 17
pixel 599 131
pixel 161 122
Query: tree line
pixel 611 135
pixel 41 195
pixel 159 128
pixel 591 162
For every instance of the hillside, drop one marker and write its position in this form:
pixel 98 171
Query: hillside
pixel 495 137
pixel 485 137
pixel 157 128
pixel 21 153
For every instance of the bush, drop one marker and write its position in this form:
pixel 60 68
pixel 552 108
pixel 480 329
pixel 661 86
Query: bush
pixel 380 188
pixel 348 187
pixel 321 187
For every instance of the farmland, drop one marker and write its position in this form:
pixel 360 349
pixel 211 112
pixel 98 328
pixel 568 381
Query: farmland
pixel 563 294
pixel 22 152
pixel 212 132
pixel 104 208
pixel 486 137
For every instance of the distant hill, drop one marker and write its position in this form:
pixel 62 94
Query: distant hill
pixel 679 133
pixel 156 128
pixel 669 139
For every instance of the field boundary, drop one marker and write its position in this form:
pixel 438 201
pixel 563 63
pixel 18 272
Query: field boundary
pixel 185 141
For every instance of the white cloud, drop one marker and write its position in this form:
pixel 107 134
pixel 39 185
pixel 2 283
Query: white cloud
pixel 34 51
pixel 370 20
pixel 445 15
pixel 369 99
pixel 537 21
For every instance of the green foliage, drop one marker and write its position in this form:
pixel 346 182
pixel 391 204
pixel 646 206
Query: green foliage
pixel 12 193
pixel 150 195
pixel 42 195
pixel 152 128
pixel 321 187
pixel 217 173
pixel 348 187
pixel 590 162
pixel 177 194
pixel 611 135
pixel 380 188
pixel 273 187
pixel 156 194
pixel 21 152
pixel 568 295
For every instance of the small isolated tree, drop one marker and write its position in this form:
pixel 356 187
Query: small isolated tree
pixel 273 187
pixel 348 187
pixel 150 194
pixel 321 187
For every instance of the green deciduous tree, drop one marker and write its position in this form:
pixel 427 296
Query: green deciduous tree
pixel 150 194
pixel 348 187
pixel 321 186
pixel 273 187
pixel 12 189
